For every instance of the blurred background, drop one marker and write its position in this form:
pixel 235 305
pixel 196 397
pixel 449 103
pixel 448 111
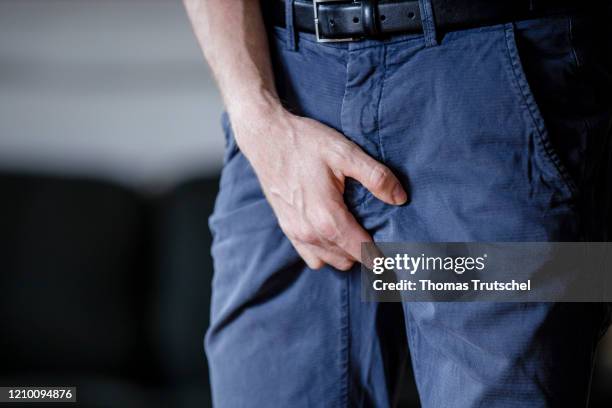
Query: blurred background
pixel 110 150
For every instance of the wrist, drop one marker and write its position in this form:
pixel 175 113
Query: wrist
pixel 254 107
pixel 254 119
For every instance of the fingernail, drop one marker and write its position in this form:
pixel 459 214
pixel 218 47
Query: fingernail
pixel 399 195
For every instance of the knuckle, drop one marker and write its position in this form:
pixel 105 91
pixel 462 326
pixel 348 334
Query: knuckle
pixel 345 265
pixel 353 152
pixel 338 151
pixel 308 236
pixel 327 229
pixel 315 264
pixel 379 176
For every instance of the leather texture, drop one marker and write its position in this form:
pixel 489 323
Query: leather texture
pixel 371 18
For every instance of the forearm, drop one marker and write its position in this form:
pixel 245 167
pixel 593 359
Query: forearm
pixel 301 164
pixel 233 38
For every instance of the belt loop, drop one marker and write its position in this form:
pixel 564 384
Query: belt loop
pixel 429 25
pixel 369 17
pixel 290 26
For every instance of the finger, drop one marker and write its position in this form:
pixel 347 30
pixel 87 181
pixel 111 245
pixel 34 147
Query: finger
pixel 369 254
pixel 341 228
pixel 374 176
pixel 334 256
pixel 313 261
pixel 330 246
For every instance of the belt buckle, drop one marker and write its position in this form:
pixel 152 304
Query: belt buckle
pixel 315 5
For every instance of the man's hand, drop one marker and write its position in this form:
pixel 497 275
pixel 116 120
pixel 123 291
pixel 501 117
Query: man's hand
pixel 302 166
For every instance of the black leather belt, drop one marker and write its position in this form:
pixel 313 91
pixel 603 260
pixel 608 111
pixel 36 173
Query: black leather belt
pixel 346 20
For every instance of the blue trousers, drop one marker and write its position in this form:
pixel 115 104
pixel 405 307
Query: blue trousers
pixel 499 133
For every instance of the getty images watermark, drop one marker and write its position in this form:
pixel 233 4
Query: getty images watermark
pixel 457 264
pixel 505 272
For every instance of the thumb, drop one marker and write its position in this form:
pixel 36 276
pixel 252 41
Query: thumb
pixel 374 176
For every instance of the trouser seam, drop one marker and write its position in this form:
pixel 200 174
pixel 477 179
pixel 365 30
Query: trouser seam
pixel 345 343
pixel 381 149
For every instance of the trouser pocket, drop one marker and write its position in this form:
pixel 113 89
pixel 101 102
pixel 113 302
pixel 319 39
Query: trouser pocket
pixel 546 154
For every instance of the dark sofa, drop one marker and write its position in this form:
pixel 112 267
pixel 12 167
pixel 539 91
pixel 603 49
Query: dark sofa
pixel 105 289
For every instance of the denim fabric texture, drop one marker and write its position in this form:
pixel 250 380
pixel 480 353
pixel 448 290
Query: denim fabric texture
pixel 498 133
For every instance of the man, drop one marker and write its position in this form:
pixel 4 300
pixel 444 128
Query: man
pixel 453 121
